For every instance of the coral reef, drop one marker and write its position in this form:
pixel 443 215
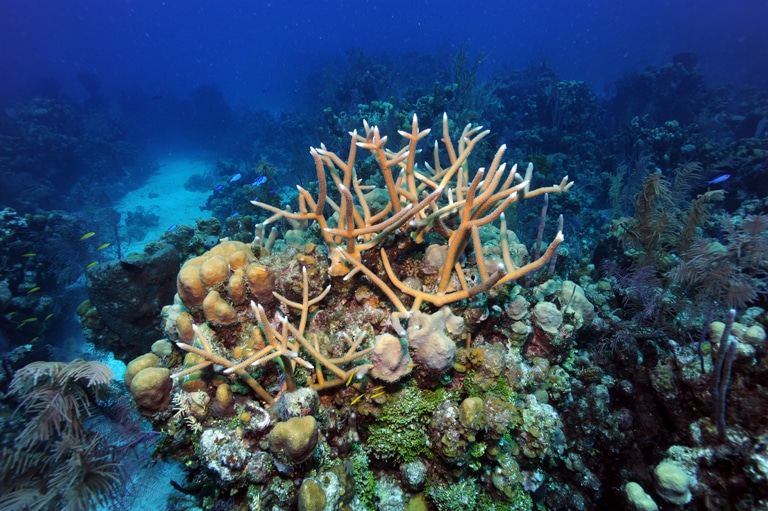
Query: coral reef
pixel 257 329
pixel 391 344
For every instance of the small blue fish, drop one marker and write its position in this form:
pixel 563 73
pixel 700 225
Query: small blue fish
pixel 233 215
pixel 718 179
pixel 172 228
pixel 218 188
pixel 259 181
pixel 236 177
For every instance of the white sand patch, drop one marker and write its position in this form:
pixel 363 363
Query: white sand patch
pixel 164 195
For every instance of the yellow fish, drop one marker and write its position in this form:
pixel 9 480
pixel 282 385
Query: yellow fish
pixel 28 320
pixel 102 246
pixel 87 235
pixel 91 264
pixel 36 288
pixel 34 339
pixel 29 254
pixel 49 316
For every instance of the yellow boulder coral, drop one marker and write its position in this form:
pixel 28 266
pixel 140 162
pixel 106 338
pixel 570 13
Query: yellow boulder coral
pixel 189 285
pixel 236 287
pixel 217 310
pixel 215 267
pixel 151 389
pixel 214 270
pixel 138 364
pixel 193 382
pixel 294 440
pixel 184 327
pixel 261 282
pixel 224 403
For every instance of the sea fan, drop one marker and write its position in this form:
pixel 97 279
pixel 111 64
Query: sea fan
pixel 57 463
pixel 28 498
pixel 54 395
pixel 733 274
pixel 686 178
pixel 699 213
pixel 755 225
pixel 642 288
pixel 74 477
pixel 87 478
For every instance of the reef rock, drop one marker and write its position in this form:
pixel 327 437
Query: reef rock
pixel 547 317
pixel 638 499
pixel 129 295
pixel 233 459
pixel 575 302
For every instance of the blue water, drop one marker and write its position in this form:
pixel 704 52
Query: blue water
pixel 262 53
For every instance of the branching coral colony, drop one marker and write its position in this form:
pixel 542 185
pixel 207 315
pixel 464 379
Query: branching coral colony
pixel 442 202
pixel 418 203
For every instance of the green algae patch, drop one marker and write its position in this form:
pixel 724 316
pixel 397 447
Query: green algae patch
pixel 399 434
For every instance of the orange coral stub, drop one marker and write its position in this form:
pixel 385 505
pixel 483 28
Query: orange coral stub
pixel 236 288
pixel 217 310
pixel 214 271
pixel 260 281
pixel 189 286
pixel 184 327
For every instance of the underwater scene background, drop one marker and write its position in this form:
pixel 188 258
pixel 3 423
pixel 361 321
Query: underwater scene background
pixel 383 256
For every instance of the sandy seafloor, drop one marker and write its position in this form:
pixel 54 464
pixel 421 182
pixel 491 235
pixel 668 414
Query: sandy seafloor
pixel 164 195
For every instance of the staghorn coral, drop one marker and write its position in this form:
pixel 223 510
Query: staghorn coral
pixel 419 204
